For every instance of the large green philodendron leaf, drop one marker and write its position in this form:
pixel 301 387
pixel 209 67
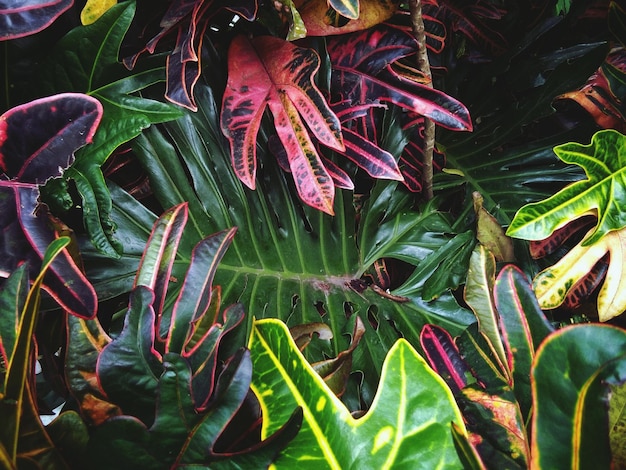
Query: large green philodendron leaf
pixel 569 380
pixel 408 425
pixel 505 166
pixel 86 60
pixel 602 193
pixel 287 260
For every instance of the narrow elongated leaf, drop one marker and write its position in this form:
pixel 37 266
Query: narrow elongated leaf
pixel 602 192
pixel 408 420
pixel 13 386
pixel 362 65
pixel 524 327
pixel 268 71
pixel 190 20
pixel 180 435
pixel 12 298
pixel 196 292
pixel 129 368
pixel 19 18
pixel 570 421
pixel 479 296
pixel 444 357
pixel 157 260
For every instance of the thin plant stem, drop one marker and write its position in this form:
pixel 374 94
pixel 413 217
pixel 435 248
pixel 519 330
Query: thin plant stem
pixel 417 23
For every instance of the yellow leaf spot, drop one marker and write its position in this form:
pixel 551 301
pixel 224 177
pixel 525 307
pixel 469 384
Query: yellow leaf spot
pixel 94 9
pixel 382 438
pixel 321 403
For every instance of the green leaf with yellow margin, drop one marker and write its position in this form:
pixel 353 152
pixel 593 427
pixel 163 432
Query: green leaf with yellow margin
pixel 553 283
pixel 617 424
pixel 603 192
pixel 407 426
pixel 570 379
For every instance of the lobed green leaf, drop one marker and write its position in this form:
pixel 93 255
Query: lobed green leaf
pixel 407 425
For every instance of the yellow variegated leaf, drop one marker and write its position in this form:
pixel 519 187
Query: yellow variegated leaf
pixel 552 284
pixel 94 9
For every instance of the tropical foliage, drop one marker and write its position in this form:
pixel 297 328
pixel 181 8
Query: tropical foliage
pixel 312 234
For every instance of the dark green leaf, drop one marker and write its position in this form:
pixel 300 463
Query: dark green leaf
pixel 86 60
pixel 570 420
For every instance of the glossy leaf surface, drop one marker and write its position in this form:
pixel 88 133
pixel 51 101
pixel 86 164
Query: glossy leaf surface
pixel 86 60
pixel 320 20
pixel 16 401
pixel 269 72
pixel 555 283
pixel 19 18
pixel 362 63
pixel 601 193
pixel 307 265
pixel 407 424
pixel 569 378
pixel 479 296
pixel 37 142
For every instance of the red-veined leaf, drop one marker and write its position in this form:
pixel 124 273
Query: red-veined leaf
pixel 37 142
pixel 523 326
pixel 362 64
pixel 444 357
pixel 268 71
pixel 158 258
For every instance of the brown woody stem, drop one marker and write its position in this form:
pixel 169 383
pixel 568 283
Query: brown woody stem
pixel 423 65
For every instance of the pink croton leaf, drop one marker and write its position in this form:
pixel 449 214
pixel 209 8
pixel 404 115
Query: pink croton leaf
pixel 270 72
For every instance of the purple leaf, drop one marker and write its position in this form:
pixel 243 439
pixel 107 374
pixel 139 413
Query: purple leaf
pixel 444 357
pixel 38 139
pixel 19 18
pixel 362 65
pixel 37 142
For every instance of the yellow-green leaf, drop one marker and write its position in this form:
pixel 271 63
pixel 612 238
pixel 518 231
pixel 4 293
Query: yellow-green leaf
pixel 94 9
pixel 603 192
pixel 408 424
pixel 552 284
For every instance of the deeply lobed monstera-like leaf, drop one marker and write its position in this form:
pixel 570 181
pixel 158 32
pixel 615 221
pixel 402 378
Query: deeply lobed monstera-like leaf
pixel 37 142
pixel 308 265
pixel 407 425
